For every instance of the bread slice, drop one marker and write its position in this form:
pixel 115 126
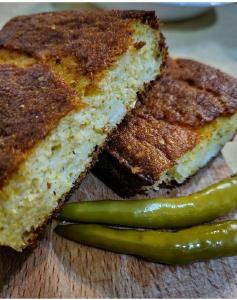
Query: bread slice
pixel 179 124
pixel 66 80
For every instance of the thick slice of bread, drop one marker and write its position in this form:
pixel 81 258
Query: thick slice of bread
pixel 179 124
pixel 66 80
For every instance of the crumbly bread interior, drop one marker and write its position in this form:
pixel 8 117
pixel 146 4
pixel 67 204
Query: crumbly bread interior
pixel 212 138
pixel 54 164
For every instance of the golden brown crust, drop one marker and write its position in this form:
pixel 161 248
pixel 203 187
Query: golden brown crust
pixel 191 94
pixel 32 101
pixel 209 79
pixel 148 146
pixel 165 124
pixel 93 38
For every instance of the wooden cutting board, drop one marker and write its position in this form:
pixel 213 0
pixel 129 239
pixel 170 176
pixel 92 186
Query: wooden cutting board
pixel 63 269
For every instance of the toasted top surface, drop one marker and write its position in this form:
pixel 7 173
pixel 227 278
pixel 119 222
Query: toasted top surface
pixel 41 59
pixel 93 38
pixel 166 122
pixel 32 100
pixel 191 94
pixel 148 146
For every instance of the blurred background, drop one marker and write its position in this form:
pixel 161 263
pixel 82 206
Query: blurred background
pixel 202 31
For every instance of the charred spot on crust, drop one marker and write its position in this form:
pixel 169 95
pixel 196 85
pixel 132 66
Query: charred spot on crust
pixel 139 45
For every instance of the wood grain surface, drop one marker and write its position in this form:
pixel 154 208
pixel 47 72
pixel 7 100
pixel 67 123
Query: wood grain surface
pixel 60 268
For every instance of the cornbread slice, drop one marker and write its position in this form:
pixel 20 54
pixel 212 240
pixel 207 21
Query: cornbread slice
pixel 179 124
pixel 66 80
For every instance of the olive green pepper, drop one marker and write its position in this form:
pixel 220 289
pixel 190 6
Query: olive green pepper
pixel 206 205
pixel 185 246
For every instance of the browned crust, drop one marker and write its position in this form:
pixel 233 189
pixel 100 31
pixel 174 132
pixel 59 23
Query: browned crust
pixel 32 102
pixel 130 180
pixel 190 94
pixel 102 37
pixel 141 150
pixel 136 181
pixel 95 39
pixel 165 125
pixel 148 146
pixel 212 80
pixel 163 50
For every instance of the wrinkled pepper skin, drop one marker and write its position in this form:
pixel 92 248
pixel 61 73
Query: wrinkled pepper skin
pixel 182 247
pixel 204 206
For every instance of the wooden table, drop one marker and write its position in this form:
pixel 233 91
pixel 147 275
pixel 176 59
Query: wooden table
pixel 64 269
pixel 59 268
